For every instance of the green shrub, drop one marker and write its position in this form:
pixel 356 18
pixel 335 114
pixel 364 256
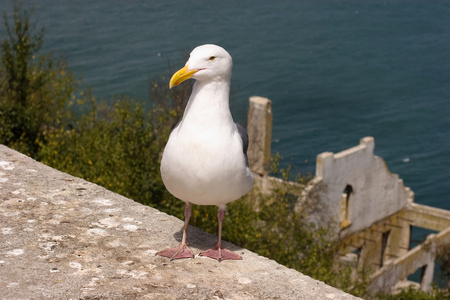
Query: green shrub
pixel 443 258
pixel 34 89
pixel 119 151
pixel 414 293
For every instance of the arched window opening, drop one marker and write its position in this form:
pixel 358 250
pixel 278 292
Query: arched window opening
pixel 346 199
pixel 384 243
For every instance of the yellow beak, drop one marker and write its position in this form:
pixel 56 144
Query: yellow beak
pixel 180 76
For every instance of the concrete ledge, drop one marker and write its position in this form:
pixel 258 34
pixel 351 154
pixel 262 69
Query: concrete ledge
pixel 62 237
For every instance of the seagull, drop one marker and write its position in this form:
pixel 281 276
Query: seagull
pixel 205 159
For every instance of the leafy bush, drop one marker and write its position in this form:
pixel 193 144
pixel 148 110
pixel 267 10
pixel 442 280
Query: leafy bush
pixel 119 151
pixel 443 257
pixel 34 89
pixel 414 293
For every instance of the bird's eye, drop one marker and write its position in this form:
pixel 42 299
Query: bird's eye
pixel 212 58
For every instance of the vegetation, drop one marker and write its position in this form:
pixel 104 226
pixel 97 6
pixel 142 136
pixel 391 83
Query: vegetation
pixel 414 293
pixel 34 89
pixel 443 258
pixel 119 146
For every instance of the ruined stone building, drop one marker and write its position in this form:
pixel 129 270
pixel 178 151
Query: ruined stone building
pixel 370 209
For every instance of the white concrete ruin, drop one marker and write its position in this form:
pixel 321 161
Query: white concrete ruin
pixel 367 207
pixel 360 190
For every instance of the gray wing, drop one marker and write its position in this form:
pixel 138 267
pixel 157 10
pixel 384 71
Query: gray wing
pixel 244 136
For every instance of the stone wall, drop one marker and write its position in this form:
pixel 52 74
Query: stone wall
pixel 62 237
pixel 360 190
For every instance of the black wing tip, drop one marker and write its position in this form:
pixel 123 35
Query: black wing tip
pixel 244 136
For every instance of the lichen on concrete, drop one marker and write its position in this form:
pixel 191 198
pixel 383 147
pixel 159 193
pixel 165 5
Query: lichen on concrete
pixel 62 237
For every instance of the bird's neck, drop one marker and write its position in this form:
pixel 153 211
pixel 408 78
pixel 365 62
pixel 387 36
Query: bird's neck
pixel 209 101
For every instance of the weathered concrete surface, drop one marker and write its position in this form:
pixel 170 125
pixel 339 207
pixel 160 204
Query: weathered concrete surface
pixel 259 130
pixel 62 237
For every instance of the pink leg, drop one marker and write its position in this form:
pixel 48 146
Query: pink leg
pixel 182 250
pixel 218 251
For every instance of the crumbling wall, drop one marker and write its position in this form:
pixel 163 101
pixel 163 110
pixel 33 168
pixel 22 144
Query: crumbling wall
pixel 359 190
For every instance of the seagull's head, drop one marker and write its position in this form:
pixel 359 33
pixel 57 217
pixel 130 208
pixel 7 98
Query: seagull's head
pixel 206 63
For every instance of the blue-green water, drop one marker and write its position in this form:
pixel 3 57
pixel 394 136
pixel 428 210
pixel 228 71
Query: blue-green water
pixel 336 71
